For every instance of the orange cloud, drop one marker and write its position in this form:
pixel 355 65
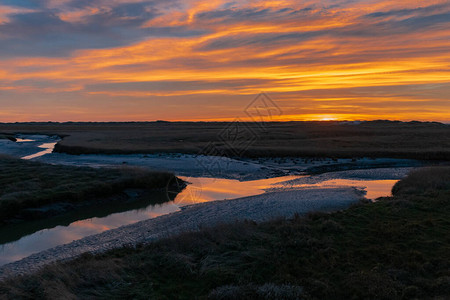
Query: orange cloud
pixel 218 56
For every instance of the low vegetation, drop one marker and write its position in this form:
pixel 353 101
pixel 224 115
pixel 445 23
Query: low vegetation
pixel 25 184
pixel 417 140
pixel 396 248
pixel 423 181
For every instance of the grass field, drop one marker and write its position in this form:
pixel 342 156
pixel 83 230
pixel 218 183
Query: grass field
pixel 26 184
pixel 302 139
pixel 396 248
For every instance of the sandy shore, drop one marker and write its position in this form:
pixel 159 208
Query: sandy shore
pixel 258 208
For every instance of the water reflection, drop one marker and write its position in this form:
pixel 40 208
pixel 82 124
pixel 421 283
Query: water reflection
pixel 49 238
pixel 374 188
pixel 203 189
pixel 48 149
pixel 208 189
pixel 18 242
pixel 14 232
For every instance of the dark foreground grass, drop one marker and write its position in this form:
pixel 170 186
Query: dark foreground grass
pixel 397 248
pixel 26 184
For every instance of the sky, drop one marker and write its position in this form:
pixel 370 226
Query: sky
pixel 139 60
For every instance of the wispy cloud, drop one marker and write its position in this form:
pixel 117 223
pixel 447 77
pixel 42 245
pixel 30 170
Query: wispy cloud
pixel 380 59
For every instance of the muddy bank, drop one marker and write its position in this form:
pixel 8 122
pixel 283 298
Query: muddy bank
pixel 224 167
pixel 191 165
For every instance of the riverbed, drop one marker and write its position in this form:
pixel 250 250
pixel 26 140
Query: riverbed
pixel 210 179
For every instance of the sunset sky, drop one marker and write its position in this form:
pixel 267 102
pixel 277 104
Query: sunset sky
pixel 131 60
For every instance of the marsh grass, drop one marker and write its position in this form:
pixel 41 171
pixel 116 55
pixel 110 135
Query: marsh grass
pixel 396 248
pixel 430 179
pixel 27 184
pixel 417 140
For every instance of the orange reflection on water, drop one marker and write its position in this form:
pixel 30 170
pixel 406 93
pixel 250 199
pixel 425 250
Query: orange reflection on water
pixel 374 188
pixel 48 149
pixel 209 189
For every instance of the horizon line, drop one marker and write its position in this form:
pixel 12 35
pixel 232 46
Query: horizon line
pixel 235 120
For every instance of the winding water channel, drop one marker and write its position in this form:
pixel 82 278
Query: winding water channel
pixel 20 240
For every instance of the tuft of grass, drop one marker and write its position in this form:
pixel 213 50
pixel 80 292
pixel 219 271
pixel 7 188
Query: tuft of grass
pixel 26 184
pixel 429 179
pixel 396 248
